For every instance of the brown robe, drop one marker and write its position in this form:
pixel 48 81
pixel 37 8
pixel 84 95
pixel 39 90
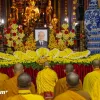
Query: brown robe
pixel 61 86
pixel 11 86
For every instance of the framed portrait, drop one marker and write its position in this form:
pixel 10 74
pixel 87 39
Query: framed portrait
pixel 41 37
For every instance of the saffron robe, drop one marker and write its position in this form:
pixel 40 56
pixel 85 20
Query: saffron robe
pixel 26 95
pixel 61 86
pixel 69 95
pixel 3 77
pixel 95 93
pixel 11 86
pixel 90 80
pixel 46 80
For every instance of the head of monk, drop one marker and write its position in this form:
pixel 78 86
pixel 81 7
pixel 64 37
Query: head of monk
pixel 46 64
pixel 72 79
pixel 24 81
pixel 69 68
pixel 18 68
pixel 96 63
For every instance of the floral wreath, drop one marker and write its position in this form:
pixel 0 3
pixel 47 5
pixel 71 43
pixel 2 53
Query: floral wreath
pixel 14 35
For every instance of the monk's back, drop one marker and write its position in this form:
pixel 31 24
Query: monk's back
pixel 11 86
pixel 90 80
pixel 61 86
pixel 26 97
pixel 84 94
pixel 69 95
pixel 3 77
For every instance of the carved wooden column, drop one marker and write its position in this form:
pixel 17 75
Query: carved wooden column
pixel 82 36
pixel 55 7
pixel 0 10
pixel 86 4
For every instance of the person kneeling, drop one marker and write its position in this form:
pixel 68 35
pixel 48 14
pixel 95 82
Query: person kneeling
pixel 24 93
pixel 73 93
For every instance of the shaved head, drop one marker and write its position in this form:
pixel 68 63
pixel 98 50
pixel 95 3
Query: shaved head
pixel 18 68
pixel 47 64
pixel 96 63
pixel 69 68
pixel 72 79
pixel 24 80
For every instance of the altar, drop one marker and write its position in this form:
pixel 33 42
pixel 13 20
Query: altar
pixel 36 32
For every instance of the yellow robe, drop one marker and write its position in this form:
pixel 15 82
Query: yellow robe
pixel 3 77
pixel 61 86
pixel 90 80
pixel 69 95
pixel 11 86
pixel 46 80
pixel 26 95
pixel 95 93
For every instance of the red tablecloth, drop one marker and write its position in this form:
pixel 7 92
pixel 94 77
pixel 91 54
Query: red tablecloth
pixel 81 70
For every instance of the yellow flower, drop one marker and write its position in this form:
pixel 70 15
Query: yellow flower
pixel 7 36
pixel 42 52
pixel 70 42
pixel 21 35
pixel 14 31
pixel 53 53
pixel 62 54
pixel 32 54
pixel 14 26
pixel 10 43
pixel 72 35
pixel 59 35
pixel 15 37
pixel 65 26
pixel 78 55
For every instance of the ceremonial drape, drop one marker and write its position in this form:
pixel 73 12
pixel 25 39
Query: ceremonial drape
pixel 81 70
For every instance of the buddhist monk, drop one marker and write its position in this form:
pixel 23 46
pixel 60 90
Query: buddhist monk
pixel 73 93
pixel 61 85
pixel 24 93
pixel 45 81
pixel 3 77
pixel 91 77
pixel 95 93
pixel 11 84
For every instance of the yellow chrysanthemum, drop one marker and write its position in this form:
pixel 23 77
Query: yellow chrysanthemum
pixel 42 52
pixel 53 53
pixel 65 26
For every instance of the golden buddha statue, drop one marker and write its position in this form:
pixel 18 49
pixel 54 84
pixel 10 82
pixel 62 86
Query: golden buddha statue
pixel 54 21
pixel 14 10
pixel 10 20
pixel 32 12
pixel 49 10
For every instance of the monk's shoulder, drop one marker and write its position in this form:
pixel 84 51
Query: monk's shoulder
pixel 87 75
pixel 62 80
pixel 61 96
pixel 85 94
pixel 13 97
pixel 4 76
pixel 8 82
pixel 36 97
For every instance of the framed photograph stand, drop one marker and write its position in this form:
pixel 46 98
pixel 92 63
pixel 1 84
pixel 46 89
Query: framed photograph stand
pixel 41 37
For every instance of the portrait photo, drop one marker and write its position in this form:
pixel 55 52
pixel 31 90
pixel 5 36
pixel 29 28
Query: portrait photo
pixel 41 37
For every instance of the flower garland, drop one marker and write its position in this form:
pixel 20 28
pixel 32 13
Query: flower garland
pixel 14 35
pixel 65 36
pixel 42 55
